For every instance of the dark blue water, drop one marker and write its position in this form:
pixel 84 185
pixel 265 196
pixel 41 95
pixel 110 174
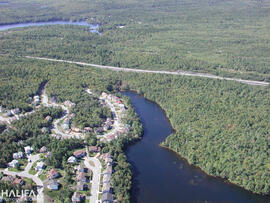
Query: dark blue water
pixel 162 176
pixel 92 28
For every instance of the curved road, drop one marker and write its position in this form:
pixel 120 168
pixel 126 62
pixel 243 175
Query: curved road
pixel 186 73
pixel 25 173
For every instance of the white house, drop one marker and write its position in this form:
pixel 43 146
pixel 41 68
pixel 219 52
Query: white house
pixel 72 160
pixel 28 150
pixel 40 166
pixel 14 163
pixel 18 155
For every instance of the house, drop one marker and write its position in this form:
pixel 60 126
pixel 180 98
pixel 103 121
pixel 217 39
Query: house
pixel 76 130
pixel 53 185
pixel 18 155
pixel 69 104
pixel 107 127
pixel 15 163
pixel 54 99
pixel 107 198
pixel 81 186
pixel 104 94
pixel 48 118
pixel 99 130
pixel 77 197
pixel 36 100
pixel 108 170
pixel 106 187
pixel 88 129
pixel 82 169
pixel 65 126
pixel 107 178
pixel 94 149
pixel 15 111
pixel 28 150
pixel 44 130
pixel 40 166
pixel 8 113
pixel 72 160
pixel 81 177
pixel 53 174
pixel 7 179
pixel 79 153
pixel 43 149
pixel 18 181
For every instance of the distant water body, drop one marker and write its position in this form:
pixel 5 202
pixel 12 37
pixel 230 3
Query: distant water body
pixel 162 176
pixel 92 28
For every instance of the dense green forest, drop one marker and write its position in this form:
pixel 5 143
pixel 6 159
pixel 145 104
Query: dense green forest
pixel 220 37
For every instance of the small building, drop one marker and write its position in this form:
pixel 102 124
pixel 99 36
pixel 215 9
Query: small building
pixel 99 130
pixel 79 153
pixel 72 160
pixel 76 130
pixel 106 187
pixel 81 186
pixel 44 130
pixel 8 113
pixel 54 99
pixel 69 104
pixel 94 149
pixel 88 129
pixel 43 149
pixel 53 185
pixel 107 197
pixel 14 163
pixel 65 126
pixel 18 181
pixel 36 100
pixel 48 118
pixel 28 150
pixel 1 109
pixel 107 127
pixel 77 197
pixel 53 174
pixel 15 111
pixel 40 166
pixel 82 169
pixel 81 177
pixel 18 155
pixel 108 170
pixel 107 178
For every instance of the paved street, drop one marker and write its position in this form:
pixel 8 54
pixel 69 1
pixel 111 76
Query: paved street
pixel 96 177
pixel 25 173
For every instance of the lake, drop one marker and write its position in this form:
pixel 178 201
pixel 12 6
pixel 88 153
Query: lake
pixel 162 176
pixel 92 28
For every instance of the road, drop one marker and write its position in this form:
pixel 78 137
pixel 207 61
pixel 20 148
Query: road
pixel 25 173
pixel 56 130
pixel 116 124
pixel 96 176
pixel 184 73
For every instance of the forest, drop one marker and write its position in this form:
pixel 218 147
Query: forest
pixel 217 37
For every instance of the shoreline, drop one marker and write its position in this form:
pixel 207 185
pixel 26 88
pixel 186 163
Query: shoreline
pixel 218 178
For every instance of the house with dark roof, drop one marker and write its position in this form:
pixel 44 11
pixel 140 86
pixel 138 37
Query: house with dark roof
pixel 53 174
pixel 77 197
pixel 79 153
pixel 94 149
pixel 81 177
pixel 81 186
pixel 107 197
pixel 18 181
